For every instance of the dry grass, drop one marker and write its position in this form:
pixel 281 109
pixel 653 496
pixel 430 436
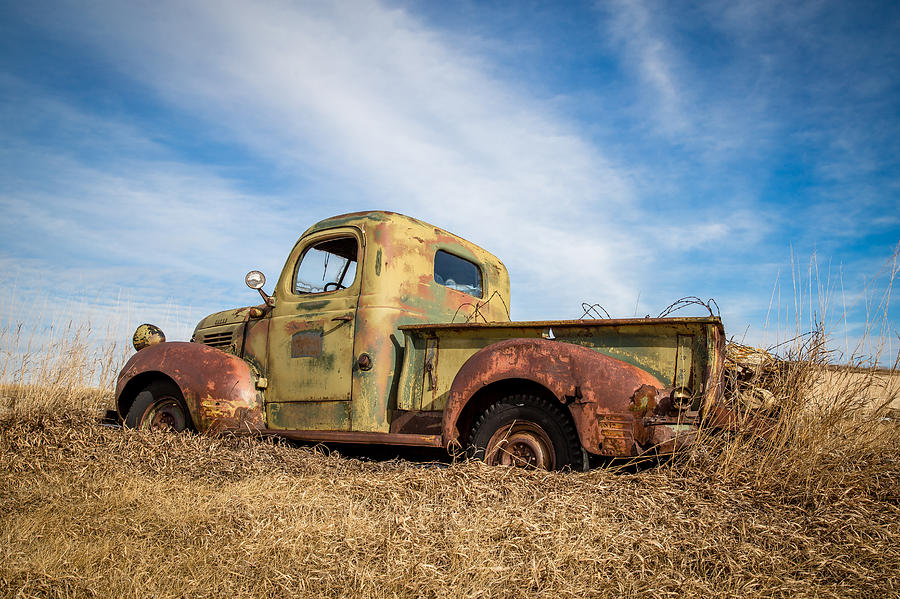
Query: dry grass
pixel 91 511
pixel 55 370
pixel 812 510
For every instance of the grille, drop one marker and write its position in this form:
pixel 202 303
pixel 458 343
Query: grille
pixel 218 340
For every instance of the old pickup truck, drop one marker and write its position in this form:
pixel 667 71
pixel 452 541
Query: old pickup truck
pixel 384 329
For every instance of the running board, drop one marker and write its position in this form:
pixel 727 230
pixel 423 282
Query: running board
pixel 361 437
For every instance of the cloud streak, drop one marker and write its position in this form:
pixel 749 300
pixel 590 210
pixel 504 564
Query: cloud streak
pixel 653 59
pixel 381 111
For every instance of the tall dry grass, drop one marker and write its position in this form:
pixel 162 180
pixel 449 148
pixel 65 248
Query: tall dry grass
pixel 830 436
pixel 811 509
pixel 55 369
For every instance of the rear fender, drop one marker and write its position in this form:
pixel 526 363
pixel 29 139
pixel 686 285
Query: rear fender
pixel 599 390
pixel 218 388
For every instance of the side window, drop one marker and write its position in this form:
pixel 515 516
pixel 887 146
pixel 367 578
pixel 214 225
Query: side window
pixel 327 266
pixel 457 273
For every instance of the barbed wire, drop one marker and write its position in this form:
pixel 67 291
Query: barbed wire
pixel 692 300
pixel 477 306
pixel 593 310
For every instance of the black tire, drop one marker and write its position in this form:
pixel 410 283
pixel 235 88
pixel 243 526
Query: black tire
pixel 526 431
pixel 159 406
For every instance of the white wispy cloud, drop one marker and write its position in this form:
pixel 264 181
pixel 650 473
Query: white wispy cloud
pixel 366 96
pixel 653 59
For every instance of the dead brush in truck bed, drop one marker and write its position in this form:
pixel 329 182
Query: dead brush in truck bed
pixel 810 511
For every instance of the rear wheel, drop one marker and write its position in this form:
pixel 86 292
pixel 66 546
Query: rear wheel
pixel 526 431
pixel 159 406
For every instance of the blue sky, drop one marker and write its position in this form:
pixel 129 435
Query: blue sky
pixel 626 153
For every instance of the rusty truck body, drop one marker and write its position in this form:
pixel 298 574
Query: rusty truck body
pixel 385 329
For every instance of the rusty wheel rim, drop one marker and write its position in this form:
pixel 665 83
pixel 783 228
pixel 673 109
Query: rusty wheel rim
pixel 165 415
pixel 521 445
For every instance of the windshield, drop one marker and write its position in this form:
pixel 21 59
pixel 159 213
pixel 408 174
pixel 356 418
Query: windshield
pixel 327 266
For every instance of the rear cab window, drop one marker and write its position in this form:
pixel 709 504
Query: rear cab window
pixel 457 273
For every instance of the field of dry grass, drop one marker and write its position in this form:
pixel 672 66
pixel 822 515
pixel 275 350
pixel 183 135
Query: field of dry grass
pixel 89 511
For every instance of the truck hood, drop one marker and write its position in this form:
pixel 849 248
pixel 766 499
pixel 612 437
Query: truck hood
pixel 225 317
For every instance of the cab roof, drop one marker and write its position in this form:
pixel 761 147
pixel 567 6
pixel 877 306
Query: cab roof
pixel 360 219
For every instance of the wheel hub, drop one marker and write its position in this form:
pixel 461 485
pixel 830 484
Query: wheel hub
pixel 521 445
pixel 166 414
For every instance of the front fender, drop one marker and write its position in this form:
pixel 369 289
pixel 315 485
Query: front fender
pixel 597 388
pixel 219 389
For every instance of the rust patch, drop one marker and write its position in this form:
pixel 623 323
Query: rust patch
pixel 671 439
pixel 306 344
pixel 427 422
pixel 642 402
pixel 618 435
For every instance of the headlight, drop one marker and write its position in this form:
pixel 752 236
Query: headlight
pixel 146 335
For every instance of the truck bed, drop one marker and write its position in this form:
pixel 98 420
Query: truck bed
pixel 682 353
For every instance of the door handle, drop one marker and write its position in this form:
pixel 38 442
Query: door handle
pixel 343 318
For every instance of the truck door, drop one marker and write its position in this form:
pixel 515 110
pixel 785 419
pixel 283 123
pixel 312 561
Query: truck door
pixel 310 356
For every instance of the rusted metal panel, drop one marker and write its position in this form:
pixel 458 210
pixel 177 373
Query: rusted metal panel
pixel 643 401
pixel 684 362
pixel 218 388
pixel 617 435
pixel 306 344
pixel 313 364
pixel 670 438
pixel 425 422
pixel 430 381
pixel 309 415
pixel 256 341
pixel 661 421
pixel 563 324
pixel 364 437
pixel 597 388
pixel 411 374
pixel 714 390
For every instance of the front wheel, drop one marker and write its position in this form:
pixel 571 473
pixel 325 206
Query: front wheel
pixel 159 406
pixel 526 431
